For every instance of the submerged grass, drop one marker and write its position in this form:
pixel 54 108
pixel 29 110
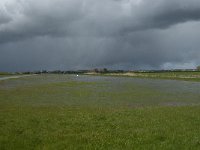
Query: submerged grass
pixel 64 112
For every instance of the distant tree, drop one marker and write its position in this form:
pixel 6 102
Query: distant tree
pixel 44 71
pixel 27 72
pixel 96 70
pixel 198 68
pixel 105 70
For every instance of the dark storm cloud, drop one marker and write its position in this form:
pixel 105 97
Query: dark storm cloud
pixel 34 18
pixel 72 34
pixel 163 13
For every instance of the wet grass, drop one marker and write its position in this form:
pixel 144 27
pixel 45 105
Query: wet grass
pixel 65 112
pixel 3 74
pixel 176 75
pixel 99 128
pixel 187 76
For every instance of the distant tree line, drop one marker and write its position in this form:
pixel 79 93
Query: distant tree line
pixel 105 70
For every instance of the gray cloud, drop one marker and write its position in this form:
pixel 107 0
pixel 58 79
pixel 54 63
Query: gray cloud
pixel 74 34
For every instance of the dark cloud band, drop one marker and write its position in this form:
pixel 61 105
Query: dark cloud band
pixel 89 33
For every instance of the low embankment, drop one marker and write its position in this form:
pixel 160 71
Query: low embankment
pixel 174 75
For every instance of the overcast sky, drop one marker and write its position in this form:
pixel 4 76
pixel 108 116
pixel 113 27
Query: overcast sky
pixel 85 34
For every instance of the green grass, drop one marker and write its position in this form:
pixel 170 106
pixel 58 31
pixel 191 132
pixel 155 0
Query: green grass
pixel 2 74
pixel 98 128
pixel 174 75
pixel 183 75
pixel 65 112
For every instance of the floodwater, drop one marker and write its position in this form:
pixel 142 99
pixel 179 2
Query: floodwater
pixel 152 91
pixel 125 91
pixel 14 77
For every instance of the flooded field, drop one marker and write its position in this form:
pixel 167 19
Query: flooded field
pixel 99 91
pixel 96 112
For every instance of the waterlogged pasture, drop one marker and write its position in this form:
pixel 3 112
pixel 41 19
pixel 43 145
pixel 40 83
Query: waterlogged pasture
pixel 97 91
pixel 96 112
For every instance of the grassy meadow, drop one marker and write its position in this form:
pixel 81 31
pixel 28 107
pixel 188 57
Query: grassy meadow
pixel 2 74
pixel 172 75
pixel 98 112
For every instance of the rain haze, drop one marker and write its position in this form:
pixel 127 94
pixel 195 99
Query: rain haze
pixel 87 34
